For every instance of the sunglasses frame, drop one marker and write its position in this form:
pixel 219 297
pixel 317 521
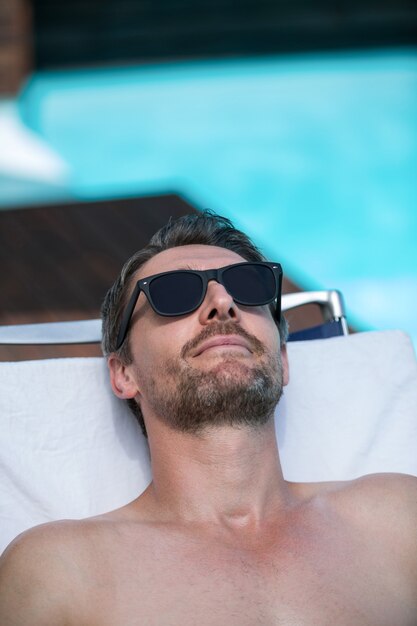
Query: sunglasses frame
pixel 206 276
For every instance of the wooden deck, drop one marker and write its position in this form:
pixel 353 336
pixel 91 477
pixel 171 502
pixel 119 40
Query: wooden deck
pixel 57 262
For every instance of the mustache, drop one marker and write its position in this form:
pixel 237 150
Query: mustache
pixel 223 328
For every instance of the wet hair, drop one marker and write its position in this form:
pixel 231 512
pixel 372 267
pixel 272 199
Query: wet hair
pixel 206 228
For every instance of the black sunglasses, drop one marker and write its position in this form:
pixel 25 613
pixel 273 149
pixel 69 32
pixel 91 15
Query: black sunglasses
pixel 179 292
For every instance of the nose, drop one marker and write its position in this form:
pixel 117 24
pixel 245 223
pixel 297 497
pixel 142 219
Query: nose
pixel 218 305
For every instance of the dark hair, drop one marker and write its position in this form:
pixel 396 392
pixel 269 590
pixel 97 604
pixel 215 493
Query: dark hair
pixel 206 228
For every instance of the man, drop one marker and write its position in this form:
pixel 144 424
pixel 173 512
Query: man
pixel 196 344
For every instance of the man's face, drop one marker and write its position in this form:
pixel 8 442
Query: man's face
pixel 219 365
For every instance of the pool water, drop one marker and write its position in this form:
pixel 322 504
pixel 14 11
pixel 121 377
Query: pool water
pixel 315 156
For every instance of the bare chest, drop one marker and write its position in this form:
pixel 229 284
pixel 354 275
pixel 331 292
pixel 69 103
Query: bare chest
pixel 322 581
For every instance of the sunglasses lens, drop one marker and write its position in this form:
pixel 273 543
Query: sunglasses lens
pixel 250 284
pixel 176 293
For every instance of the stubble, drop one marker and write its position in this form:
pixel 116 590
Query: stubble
pixel 232 392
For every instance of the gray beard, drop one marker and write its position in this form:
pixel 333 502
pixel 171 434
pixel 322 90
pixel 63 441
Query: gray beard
pixel 231 393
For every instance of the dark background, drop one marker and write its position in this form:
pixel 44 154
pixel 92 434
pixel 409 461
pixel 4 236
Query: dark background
pixel 42 34
pixel 108 31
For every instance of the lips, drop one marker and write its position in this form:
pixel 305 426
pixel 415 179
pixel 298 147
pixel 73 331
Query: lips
pixel 222 340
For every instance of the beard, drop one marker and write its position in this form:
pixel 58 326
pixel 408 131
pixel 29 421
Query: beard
pixel 230 393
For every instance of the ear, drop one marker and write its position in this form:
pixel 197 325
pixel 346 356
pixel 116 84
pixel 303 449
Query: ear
pixel 285 365
pixel 121 378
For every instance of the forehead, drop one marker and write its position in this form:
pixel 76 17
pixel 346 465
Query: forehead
pixel 196 256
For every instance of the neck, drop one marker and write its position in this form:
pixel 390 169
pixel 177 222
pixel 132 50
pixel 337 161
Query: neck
pixel 228 476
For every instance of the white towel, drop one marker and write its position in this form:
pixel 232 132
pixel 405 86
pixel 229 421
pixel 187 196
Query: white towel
pixel 70 449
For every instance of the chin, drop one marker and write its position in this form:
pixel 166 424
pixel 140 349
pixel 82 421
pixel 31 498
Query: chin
pixel 235 369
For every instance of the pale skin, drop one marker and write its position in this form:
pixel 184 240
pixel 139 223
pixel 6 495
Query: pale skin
pixel 219 537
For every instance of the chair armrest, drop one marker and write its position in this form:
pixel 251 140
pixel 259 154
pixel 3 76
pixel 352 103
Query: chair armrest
pixel 50 333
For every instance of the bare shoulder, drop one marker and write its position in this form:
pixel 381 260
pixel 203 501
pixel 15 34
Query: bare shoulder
pixel 50 573
pixel 372 494
pixel 387 497
pixel 380 512
pixel 38 575
pixel 384 507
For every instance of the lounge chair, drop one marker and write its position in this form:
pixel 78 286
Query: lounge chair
pixel 70 449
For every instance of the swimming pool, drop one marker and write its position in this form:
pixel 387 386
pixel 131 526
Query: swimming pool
pixel 315 156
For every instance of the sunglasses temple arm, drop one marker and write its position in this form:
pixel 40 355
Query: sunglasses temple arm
pixel 278 309
pixel 124 326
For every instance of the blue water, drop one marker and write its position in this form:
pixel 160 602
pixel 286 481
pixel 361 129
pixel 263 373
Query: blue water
pixel 315 156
